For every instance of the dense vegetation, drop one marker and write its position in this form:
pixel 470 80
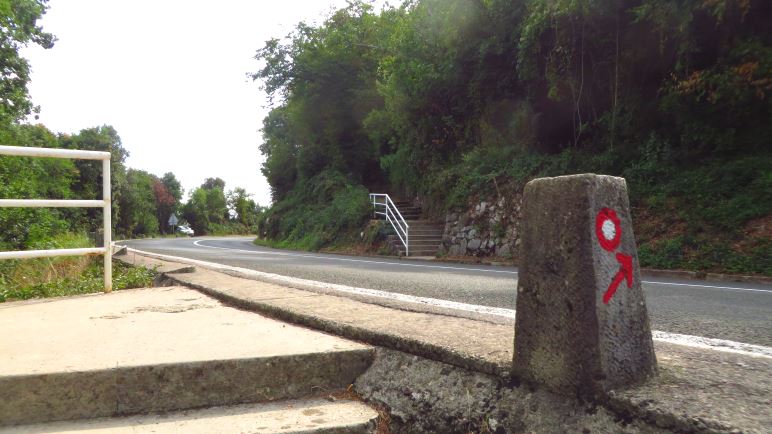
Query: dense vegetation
pixel 142 202
pixel 452 100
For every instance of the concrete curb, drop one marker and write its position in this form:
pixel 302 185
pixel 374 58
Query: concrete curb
pixel 739 405
pixel 486 348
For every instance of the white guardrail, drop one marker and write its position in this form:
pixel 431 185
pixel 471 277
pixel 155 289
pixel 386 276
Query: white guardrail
pixel 105 204
pixel 383 205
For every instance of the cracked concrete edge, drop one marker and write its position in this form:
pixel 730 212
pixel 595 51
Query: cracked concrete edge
pixel 384 339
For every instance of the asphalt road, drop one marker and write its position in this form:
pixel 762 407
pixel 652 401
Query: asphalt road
pixel 739 312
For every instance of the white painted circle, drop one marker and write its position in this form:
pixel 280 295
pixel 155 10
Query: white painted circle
pixel 609 229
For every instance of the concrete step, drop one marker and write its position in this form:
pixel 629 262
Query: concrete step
pixel 431 253
pixel 425 233
pixel 419 238
pixel 157 350
pixel 300 416
pixel 425 246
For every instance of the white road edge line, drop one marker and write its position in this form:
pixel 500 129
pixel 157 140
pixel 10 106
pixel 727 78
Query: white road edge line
pixel 706 286
pixel 197 243
pixel 673 338
pixel 367 261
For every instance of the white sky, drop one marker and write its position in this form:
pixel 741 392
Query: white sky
pixel 170 76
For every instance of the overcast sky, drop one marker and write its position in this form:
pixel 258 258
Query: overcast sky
pixel 170 76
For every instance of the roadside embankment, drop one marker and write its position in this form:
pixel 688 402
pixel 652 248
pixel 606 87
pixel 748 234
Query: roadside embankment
pixel 437 372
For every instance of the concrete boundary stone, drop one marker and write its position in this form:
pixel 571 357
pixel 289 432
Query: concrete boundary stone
pixel 582 325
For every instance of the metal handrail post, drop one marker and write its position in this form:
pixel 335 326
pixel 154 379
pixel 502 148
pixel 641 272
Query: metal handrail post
pixel 107 212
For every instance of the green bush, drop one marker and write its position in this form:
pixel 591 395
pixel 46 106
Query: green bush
pixel 329 211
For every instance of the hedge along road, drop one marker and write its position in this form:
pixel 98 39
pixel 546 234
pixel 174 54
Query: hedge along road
pixel 740 312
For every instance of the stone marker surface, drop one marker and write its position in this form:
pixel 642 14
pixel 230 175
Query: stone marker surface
pixel 581 325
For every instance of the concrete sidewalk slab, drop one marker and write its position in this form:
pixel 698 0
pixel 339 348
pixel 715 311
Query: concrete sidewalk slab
pixel 157 349
pixel 696 390
pixel 298 416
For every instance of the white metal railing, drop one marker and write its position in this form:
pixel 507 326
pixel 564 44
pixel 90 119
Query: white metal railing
pixel 105 204
pixel 383 205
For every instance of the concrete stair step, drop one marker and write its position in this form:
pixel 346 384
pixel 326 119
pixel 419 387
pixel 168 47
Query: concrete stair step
pixel 298 416
pixel 432 248
pixel 157 350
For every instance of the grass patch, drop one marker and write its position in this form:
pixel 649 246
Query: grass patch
pixel 90 281
pixel 62 276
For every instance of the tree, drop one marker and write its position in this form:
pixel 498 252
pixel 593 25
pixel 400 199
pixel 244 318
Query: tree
pixel 139 217
pixel 89 185
pixel 213 183
pixel 242 208
pixel 207 206
pixel 173 186
pixel 18 28
pixel 168 193
pixel 48 178
pixel 195 212
pixel 327 79
pixel 164 204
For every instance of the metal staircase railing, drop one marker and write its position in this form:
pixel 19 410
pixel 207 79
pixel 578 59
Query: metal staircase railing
pixel 383 205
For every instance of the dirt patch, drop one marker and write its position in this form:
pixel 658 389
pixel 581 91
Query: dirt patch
pixel 759 228
pixel 653 226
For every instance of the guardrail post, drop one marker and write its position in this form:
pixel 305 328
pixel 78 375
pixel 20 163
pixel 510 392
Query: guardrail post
pixel 107 223
pixel 105 204
pixel 581 323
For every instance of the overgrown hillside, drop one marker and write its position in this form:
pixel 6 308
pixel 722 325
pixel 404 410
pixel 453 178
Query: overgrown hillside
pixel 451 101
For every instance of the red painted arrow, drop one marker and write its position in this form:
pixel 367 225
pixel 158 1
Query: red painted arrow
pixel 625 273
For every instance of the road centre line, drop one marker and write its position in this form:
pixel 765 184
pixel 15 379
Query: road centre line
pixel 301 255
pixel 294 282
pixel 457 268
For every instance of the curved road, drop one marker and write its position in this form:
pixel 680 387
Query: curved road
pixel 739 312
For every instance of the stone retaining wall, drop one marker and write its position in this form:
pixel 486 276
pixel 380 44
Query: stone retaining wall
pixel 489 227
